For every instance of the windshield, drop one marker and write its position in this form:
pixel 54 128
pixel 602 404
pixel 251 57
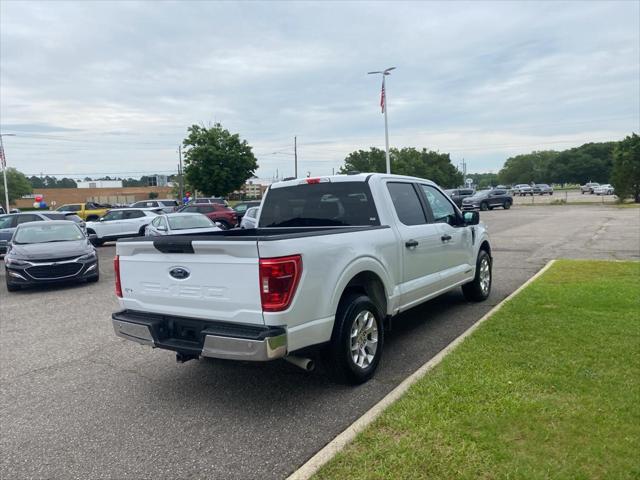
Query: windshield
pixel 46 232
pixel 323 204
pixel 183 222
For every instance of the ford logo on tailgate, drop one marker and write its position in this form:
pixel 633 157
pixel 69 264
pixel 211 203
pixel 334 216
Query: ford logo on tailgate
pixel 179 273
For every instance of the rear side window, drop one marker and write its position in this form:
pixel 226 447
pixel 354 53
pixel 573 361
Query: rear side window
pixel 28 218
pixel 407 204
pixel 133 214
pixel 55 216
pixel 324 204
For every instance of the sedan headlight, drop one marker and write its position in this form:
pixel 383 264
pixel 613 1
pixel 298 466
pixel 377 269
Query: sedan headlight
pixel 9 260
pixel 87 257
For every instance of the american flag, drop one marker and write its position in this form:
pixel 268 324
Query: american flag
pixel 382 98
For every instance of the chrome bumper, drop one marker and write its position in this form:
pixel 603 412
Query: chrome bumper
pixel 214 346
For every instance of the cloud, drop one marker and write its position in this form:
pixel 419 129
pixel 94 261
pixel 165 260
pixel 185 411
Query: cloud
pixel 120 82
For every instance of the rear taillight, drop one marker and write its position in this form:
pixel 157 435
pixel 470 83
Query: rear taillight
pixel 116 269
pixel 278 281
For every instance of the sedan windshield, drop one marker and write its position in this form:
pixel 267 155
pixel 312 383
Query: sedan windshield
pixel 45 232
pixel 183 222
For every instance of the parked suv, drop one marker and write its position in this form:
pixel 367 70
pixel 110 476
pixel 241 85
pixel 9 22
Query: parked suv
pixel 226 217
pixel 488 200
pixel 522 189
pixel 167 205
pixel 121 223
pixel 543 189
pixel 458 194
pixel 242 207
pixel 589 187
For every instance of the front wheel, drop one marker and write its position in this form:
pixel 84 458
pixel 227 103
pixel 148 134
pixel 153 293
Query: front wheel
pixel 10 286
pixel 479 288
pixel 484 206
pixel 355 348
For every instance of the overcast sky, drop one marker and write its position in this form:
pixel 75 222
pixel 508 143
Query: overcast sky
pixel 111 87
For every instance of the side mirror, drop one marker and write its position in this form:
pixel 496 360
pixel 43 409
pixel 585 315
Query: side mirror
pixel 471 218
pixel 92 237
pixel 101 219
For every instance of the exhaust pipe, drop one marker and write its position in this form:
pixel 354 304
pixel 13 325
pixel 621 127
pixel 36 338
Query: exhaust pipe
pixel 306 364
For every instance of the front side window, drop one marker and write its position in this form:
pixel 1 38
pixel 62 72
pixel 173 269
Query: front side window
pixel 407 204
pixel 442 209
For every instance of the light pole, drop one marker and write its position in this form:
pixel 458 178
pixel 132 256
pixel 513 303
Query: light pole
pixel 3 160
pixel 383 105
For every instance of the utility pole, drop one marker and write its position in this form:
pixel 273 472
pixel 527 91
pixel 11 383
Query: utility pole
pixel 180 172
pixel 295 156
pixel 3 161
pixel 383 105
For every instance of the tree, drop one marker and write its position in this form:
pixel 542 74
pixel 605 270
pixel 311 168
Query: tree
pixel 530 167
pixel 17 184
pixel 216 161
pixel 406 161
pixel 153 195
pixel 625 176
pixel 484 180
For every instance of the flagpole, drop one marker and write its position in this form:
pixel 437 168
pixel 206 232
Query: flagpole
pixel 383 104
pixel 386 126
pixel 4 170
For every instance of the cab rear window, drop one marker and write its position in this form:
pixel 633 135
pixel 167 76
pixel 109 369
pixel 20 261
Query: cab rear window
pixel 344 204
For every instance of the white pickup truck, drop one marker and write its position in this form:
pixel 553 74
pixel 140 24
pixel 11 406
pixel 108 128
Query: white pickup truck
pixel 332 260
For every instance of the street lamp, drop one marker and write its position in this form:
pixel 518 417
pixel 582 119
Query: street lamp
pixel 3 161
pixel 383 105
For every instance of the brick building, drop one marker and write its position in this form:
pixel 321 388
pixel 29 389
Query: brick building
pixel 61 196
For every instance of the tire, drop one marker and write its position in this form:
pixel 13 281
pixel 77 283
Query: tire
pixel 550 193
pixel 93 279
pixel 142 230
pixel 506 205
pixel 97 242
pixel 479 288
pixel 582 192
pixel 484 206
pixel 356 314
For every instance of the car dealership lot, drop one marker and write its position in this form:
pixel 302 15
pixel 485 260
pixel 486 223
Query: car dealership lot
pixel 76 401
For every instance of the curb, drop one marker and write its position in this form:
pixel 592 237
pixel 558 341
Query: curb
pixel 347 436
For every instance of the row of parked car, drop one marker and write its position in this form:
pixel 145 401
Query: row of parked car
pixel 49 246
pixel 597 189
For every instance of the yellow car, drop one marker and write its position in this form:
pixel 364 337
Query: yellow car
pixel 87 211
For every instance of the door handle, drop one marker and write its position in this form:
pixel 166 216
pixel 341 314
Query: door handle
pixel 445 238
pixel 411 243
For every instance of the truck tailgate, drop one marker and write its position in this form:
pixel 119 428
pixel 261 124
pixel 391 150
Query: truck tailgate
pixel 218 281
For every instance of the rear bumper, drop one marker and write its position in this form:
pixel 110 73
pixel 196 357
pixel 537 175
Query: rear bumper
pixel 206 338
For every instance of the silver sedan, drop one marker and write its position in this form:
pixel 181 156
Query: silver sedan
pixel 180 224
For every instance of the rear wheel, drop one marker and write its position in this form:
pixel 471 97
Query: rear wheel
pixel 479 288
pixel 355 348
pixel 506 205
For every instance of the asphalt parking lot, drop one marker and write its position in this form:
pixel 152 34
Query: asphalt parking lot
pixel 78 402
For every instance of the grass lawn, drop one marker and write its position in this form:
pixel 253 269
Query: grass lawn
pixel 549 387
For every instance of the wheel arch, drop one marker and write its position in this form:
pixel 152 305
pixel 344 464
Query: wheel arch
pixel 370 280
